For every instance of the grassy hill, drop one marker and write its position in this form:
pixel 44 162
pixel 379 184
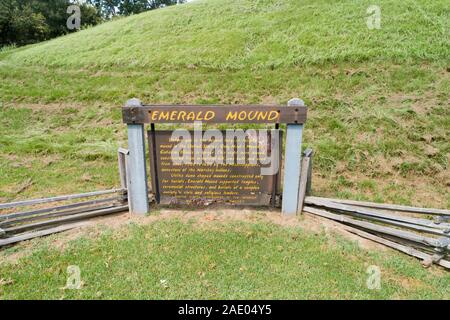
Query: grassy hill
pixel 379 121
pixel 379 108
pixel 236 35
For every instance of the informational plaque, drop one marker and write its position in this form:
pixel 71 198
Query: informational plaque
pixel 232 173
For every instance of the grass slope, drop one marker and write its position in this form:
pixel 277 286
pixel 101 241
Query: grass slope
pixel 251 34
pixel 379 108
pixel 171 259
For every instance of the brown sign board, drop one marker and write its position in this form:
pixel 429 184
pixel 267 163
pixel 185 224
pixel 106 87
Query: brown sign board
pixel 214 114
pixel 204 183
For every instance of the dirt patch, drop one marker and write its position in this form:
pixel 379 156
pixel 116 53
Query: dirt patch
pixel 330 227
pixel 428 191
pixel 408 284
pixel 44 107
pixel 421 105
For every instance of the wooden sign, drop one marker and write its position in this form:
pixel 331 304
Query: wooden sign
pixel 214 114
pixel 203 183
pixel 197 182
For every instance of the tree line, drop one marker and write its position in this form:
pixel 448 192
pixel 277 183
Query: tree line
pixel 25 22
pixel 111 8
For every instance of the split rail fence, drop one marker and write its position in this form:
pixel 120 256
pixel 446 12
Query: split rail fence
pixel 46 216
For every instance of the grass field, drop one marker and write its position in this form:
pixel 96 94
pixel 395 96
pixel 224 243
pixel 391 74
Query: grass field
pixel 183 258
pixel 379 115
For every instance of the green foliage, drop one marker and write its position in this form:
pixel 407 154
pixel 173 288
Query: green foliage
pixel 111 8
pixel 28 21
pixel 20 24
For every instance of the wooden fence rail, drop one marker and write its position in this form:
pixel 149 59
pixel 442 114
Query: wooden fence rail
pixel 59 198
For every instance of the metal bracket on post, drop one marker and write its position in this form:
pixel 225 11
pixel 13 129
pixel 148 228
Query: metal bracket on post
pixel 292 164
pixel 122 155
pixel 137 170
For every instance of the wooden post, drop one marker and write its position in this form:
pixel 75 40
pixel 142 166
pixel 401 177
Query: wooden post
pixel 137 170
pixel 310 154
pixel 292 164
pixel 304 176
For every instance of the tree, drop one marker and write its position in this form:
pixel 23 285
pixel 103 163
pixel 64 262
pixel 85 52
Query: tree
pixel 107 8
pixel 111 8
pixel 6 14
pixel 55 13
pixel 20 24
pixel 29 21
pixel 28 26
pixel 128 7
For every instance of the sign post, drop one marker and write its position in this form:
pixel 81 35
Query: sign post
pixel 292 164
pixel 137 188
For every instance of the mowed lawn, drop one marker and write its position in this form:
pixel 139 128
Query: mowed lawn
pixel 175 259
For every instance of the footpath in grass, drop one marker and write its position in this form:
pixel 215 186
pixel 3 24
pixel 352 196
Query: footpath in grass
pixel 171 259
